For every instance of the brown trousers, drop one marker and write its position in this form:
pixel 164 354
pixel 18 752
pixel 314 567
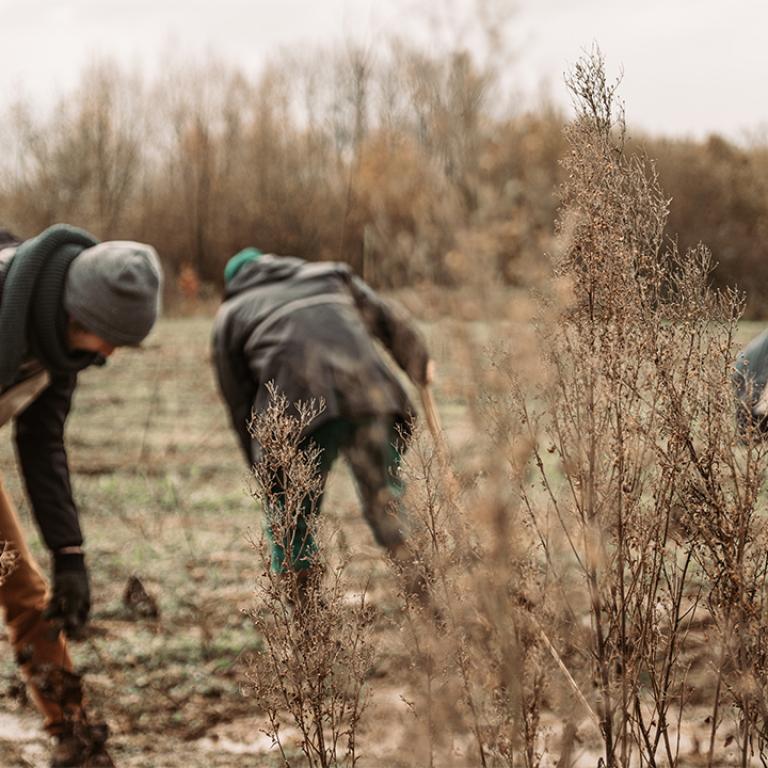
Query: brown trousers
pixel 40 650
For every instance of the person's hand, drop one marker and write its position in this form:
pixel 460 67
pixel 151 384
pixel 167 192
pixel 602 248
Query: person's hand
pixel 70 602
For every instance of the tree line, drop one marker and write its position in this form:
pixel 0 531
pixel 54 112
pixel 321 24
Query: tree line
pixel 411 166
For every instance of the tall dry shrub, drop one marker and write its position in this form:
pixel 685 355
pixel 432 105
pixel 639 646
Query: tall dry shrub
pixel 310 677
pixel 613 570
pixel 720 198
pixel 405 207
pixel 481 669
pixel 652 497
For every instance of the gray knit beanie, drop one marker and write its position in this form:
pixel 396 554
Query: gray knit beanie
pixel 113 290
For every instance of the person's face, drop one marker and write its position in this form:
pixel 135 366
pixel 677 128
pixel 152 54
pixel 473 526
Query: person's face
pixel 84 340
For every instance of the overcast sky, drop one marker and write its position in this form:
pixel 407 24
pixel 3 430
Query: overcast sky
pixel 690 66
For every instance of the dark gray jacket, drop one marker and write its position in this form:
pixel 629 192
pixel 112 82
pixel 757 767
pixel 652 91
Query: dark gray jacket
pixel 39 435
pixel 310 328
pixel 750 377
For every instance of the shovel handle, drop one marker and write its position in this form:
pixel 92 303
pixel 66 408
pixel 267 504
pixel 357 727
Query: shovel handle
pixel 430 411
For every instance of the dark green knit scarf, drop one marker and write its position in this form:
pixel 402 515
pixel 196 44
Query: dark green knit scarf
pixel 32 316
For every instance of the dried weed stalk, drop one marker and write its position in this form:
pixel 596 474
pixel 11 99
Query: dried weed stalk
pixel 646 497
pixel 481 666
pixel 613 570
pixel 317 644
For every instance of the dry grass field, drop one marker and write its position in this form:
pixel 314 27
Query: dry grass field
pixel 164 496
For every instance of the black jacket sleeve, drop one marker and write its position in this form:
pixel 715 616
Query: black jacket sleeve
pixel 235 386
pixel 43 460
pixel 393 327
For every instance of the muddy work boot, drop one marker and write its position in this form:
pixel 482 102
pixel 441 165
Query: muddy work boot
pixel 82 745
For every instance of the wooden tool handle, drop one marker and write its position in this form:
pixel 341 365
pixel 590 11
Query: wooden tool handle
pixel 430 411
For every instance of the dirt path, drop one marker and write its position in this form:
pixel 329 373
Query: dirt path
pixel 239 744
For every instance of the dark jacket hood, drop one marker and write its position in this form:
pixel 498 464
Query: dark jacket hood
pixel 266 269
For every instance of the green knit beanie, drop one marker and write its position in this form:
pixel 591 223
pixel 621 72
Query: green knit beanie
pixel 239 260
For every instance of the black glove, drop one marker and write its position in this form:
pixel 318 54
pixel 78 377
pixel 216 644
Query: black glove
pixel 71 600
